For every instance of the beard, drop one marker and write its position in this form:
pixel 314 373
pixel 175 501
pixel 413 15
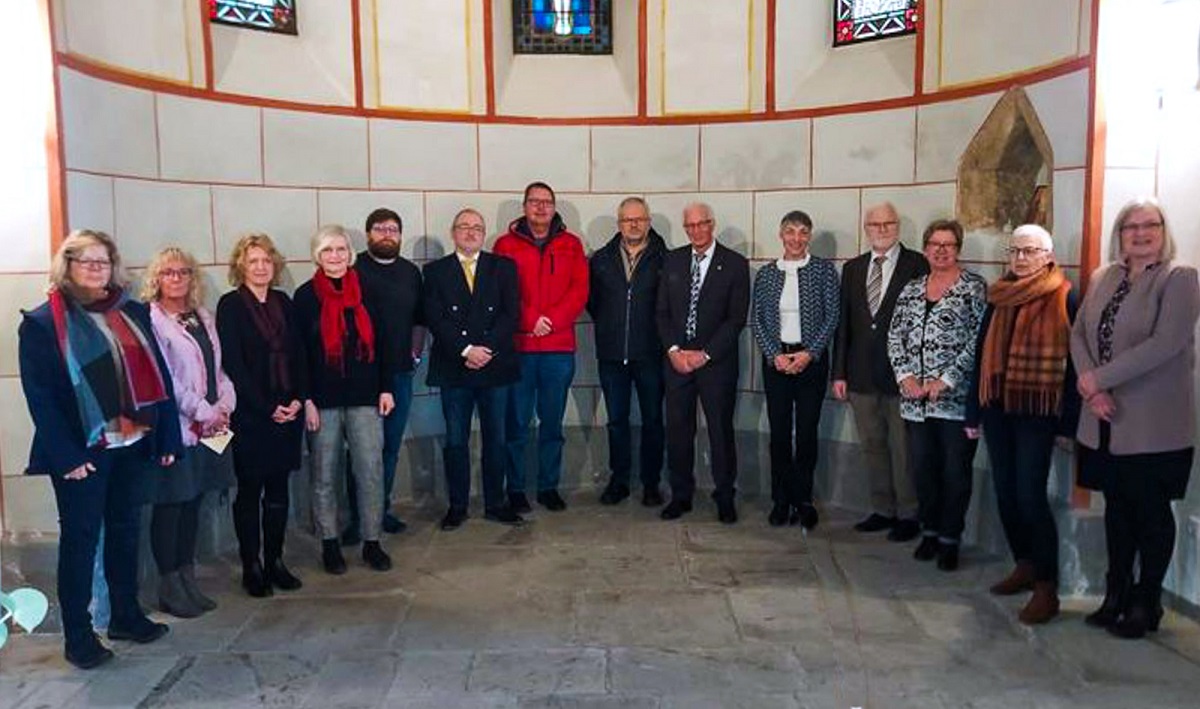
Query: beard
pixel 384 248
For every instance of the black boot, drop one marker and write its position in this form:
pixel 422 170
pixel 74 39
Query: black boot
pixel 275 517
pixel 1144 613
pixel 254 580
pixel 1116 600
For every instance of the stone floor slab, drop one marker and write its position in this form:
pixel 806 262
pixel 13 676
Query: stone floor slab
pixel 669 619
pixel 567 670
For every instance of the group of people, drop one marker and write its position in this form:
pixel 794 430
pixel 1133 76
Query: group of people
pixel 158 401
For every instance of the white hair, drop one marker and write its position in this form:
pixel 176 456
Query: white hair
pixel 1037 232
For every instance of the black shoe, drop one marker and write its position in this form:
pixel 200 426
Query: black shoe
pixel 726 512
pixel 614 493
pixel 551 500
pixel 651 497
pixel 875 523
pixel 947 557
pixel 376 557
pixel 503 515
pixel 281 577
pixel 1116 601
pixel 393 524
pixel 905 530
pixel 675 509
pixel 780 513
pixel 806 514
pixel 927 550
pixel 140 630
pixel 331 557
pixel 1144 614
pixel 88 653
pixel 254 580
pixel 519 503
pixel 453 519
pixel 351 536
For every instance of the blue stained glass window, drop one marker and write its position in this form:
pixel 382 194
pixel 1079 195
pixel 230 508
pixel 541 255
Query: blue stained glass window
pixel 857 21
pixel 562 26
pixel 267 15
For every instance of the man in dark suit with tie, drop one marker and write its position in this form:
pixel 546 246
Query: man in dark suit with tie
pixel 871 282
pixel 471 304
pixel 703 298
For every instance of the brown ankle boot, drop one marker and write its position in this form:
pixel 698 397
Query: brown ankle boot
pixel 1018 580
pixel 1042 606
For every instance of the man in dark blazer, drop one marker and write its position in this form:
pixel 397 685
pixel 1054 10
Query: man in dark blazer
pixel 703 298
pixel 871 282
pixel 471 305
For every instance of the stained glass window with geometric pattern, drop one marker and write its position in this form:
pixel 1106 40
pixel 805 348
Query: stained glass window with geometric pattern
pixel 562 26
pixel 267 15
pixel 857 21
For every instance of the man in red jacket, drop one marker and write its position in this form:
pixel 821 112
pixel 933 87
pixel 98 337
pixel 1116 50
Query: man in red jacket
pixel 552 273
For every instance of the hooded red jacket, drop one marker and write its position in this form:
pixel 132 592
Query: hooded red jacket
pixel 552 274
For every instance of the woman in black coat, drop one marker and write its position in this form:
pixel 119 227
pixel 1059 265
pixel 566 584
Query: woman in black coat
pixel 264 358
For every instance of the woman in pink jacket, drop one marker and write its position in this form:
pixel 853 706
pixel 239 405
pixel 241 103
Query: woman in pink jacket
pixel 187 337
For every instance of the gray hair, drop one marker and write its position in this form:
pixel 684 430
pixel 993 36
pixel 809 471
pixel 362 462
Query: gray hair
pixel 702 206
pixel 1114 246
pixel 1035 231
pixel 881 206
pixel 633 199
pixel 325 235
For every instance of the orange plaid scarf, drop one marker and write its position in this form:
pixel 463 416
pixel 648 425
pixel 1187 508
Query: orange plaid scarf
pixel 1026 346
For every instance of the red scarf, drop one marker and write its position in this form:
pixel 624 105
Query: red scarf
pixel 334 304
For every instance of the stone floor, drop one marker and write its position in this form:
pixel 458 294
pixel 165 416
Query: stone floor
pixel 600 607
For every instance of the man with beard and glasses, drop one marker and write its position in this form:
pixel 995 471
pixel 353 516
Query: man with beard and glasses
pixel 396 281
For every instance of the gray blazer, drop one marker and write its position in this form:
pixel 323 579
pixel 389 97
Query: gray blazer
pixel 1151 373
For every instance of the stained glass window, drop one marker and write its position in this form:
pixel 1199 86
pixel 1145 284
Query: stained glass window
pixel 562 26
pixel 857 21
pixel 267 15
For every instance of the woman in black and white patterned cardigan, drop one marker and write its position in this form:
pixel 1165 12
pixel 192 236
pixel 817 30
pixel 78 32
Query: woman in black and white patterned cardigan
pixel 795 314
pixel 931 344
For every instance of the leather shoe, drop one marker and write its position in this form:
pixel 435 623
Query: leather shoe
pixel 927 550
pixel 676 509
pixel 614 494
pixel 393 524
pixel 875 523
pixel 947 557
pixel 519 503
pixel 375 556
pixel 780 512
pixel 331 557
pixel 726 512
pixel 281 577
pixel 254 580
pixel 651 497
pixel 904 530
pixel 551 500
pixel 806 514
pixel 453 519
pixel 88 653
pixel 140 630
pixel 503 515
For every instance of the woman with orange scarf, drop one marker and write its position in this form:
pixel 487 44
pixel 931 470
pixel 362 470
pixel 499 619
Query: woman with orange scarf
pixel 1024 395
pixel 350 391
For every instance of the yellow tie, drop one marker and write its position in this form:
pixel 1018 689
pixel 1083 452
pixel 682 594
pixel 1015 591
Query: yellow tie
pixel 468 267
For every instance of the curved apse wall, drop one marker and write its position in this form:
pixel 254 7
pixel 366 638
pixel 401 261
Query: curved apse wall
pixel 197 143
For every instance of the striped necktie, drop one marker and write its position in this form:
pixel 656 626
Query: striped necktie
pixel 875 284
pixel 694 295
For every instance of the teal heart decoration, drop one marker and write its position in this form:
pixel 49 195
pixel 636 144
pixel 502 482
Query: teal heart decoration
pixel 26 607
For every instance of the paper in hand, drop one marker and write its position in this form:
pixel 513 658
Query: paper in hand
pixel 218 442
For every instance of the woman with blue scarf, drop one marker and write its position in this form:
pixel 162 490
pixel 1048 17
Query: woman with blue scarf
pixel 104 418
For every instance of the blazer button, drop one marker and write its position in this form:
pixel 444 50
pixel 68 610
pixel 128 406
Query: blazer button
pixel 872 326
pixel 464 332
pixel 491 308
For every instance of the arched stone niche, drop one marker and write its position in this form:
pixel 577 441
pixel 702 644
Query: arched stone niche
pixel 1005 176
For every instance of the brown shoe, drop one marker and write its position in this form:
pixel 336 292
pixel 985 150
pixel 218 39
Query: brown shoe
pixel 1018 580
pixel 1042 606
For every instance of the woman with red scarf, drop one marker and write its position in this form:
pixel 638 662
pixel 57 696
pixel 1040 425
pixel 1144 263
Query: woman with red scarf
pixel 104 418
pixel 349 391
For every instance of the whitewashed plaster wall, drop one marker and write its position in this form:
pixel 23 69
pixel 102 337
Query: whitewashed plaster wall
pixel 154 169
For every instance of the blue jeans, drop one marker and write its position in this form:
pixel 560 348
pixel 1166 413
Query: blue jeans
pixel 393 435
pixel 544 384
pixel 458 406
pixel 617 382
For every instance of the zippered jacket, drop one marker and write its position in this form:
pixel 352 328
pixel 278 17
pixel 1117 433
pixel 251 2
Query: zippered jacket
pixel 623 309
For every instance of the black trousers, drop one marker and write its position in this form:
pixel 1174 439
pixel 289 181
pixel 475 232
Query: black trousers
pixel 1138 523
pixel 716 391
pixel 794 411
pixel 1020 449
pixel 270 491
pixel 617 382
pixel 941 458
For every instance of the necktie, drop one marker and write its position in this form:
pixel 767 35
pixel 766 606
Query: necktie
pixel 468 267
pixel 875 284
pixel 694 295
